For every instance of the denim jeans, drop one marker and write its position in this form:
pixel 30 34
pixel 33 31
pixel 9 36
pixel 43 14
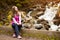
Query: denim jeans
pixel 16 28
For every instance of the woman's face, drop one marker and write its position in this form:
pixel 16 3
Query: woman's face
pixel 16 9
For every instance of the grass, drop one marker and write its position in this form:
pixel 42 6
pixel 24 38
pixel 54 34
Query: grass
pixel 44 35
pixel 40 35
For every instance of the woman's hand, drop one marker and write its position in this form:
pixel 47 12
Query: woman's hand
pixel 18 24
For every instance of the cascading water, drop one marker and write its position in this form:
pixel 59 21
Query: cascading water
pixel 49 15
pixel 27 17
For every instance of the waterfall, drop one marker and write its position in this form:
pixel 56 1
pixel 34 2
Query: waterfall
pixel 29 13
pixel 28 17
pixel 49 15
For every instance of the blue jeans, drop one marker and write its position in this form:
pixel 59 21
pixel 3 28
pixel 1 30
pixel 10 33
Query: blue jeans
pixel 16 28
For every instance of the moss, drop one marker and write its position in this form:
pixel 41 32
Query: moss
pixel 40 36
pixel 32 34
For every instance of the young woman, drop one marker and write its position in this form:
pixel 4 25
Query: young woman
pixel 16 22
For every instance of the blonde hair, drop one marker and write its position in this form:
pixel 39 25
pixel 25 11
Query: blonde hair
pixel 13 7
pixel 13 10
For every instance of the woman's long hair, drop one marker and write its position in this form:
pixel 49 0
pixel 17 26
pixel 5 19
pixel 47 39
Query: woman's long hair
pixel 14 11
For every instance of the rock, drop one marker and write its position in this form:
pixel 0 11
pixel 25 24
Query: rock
pixel 38 26
pixel 58 29
pixel 26 25
pixel 47 27
pixel 54 28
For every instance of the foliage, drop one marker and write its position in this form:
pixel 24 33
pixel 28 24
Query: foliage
pixel 5 6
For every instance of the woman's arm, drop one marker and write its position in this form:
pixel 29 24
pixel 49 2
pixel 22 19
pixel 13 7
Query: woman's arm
pixel 20 19
pixel 15 21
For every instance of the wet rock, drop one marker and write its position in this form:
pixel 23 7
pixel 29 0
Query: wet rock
pixel 38 26
pixel 53 28
pixel 27 25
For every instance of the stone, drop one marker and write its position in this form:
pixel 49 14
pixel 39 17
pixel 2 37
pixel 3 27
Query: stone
pixel 54 28
pixel 38 26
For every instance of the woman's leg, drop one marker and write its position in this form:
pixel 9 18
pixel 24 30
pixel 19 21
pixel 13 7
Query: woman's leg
pixel 15 27
pixel 19 27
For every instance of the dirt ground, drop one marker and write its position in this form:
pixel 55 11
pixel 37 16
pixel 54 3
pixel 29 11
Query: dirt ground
pixel 6 34
pixel 7 37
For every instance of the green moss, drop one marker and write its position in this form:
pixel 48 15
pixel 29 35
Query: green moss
pixel 33 34
pixel 40 36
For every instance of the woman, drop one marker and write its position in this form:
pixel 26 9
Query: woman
pixel 16 22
